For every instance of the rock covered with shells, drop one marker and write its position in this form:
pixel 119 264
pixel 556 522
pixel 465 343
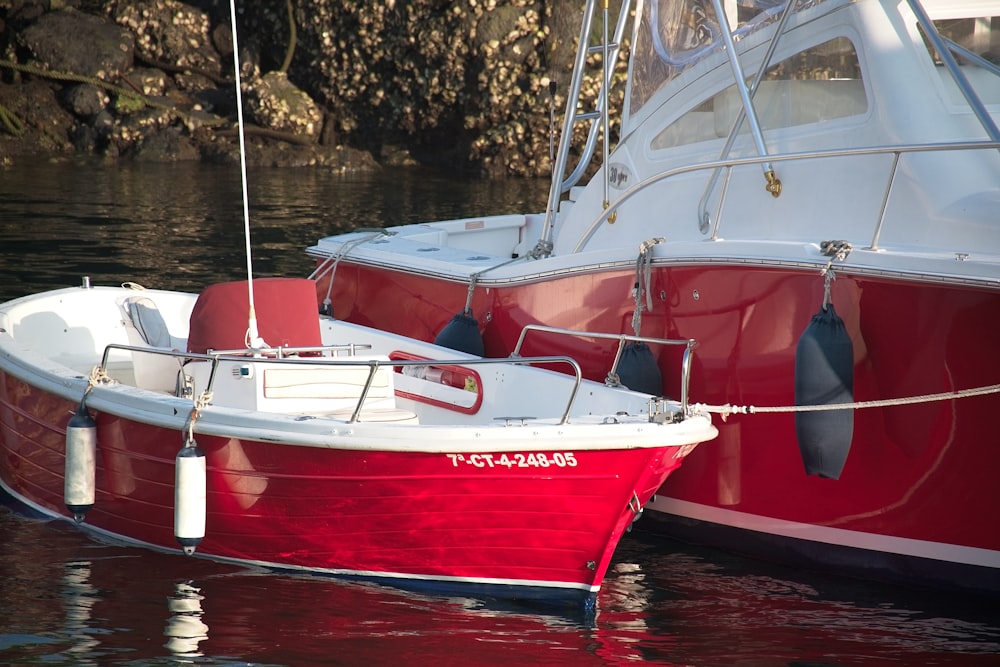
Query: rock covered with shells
pixel 276 103
pixel 169 31
pixel 462 83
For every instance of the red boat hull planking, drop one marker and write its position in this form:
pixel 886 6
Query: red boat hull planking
pixel 529 519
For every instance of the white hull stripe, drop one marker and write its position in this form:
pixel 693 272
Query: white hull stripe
pixel 952 553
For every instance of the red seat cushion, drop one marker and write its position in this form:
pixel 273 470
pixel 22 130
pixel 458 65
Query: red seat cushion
pixel 286 308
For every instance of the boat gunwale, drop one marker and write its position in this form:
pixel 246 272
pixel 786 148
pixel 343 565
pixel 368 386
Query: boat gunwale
pixel 711 257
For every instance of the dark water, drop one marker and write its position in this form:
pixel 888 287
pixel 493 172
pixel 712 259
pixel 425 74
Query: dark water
pixel 181 226
pixel 68 600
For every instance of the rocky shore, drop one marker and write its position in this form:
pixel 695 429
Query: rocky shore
pixel 347 86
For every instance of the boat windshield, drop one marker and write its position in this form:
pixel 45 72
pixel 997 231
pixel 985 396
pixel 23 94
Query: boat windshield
pixel 973 35
pixel 673 35
pixel 975 43
pixel 819 84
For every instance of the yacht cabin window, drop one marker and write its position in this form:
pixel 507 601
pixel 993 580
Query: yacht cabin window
pixel 816 85
pixel 980 35
pixel 978 54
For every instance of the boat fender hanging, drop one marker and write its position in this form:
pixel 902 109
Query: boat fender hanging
pixel 190 491
pixel 462 334
pixel 637 369
pixel 824 375
pixel 79 489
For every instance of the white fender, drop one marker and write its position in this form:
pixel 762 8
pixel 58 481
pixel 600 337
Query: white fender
pixel 190 491
pixel 79 488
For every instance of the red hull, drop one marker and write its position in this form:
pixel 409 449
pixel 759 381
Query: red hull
pixel 919 480
pixel 529 530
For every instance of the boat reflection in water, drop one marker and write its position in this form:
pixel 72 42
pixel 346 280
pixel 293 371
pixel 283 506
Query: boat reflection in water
pixel 662 603
pixel 185 629
pixel 79 597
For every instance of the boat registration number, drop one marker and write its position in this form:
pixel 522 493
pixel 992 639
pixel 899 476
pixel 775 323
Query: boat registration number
pixel 533 460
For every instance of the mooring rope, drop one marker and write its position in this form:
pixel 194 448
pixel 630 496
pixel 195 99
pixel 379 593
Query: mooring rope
pixel 643 276
pixel 201 402
pixel 474 278
pixel 10 121
pixel 836 251
pixel 726 410
pixel 98 375
pixel 329 265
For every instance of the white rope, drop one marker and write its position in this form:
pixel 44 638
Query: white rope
pixel 474 278
pixel 643 275
pixel 200 403
pixel 98 375
pixel 330 263
pixel 726 410
pixel 253 339
pixel 835 250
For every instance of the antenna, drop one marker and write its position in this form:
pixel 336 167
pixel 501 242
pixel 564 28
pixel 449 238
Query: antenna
pixel 254 341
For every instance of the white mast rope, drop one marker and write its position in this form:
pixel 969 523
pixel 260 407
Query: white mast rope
pixel 726 410
pixel 253 339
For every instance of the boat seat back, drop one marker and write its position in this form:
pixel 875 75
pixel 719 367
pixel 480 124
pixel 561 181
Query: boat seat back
pixel 286 310
pixel 146 327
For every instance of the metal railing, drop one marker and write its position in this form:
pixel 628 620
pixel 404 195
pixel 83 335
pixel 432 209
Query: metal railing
pixel 728 165
pixel 609 49
pixel 688 343
pixel 280 356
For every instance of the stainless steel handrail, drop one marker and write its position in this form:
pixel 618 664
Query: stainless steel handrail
pixel 779 30
pixel 560 185
pixel 689 344
pixel 372 364
pixel 749 111
pixel 730 163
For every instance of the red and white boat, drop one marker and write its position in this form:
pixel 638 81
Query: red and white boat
pixel 331 448
pixel 764 148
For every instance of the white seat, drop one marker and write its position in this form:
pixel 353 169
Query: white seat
pixel 145 327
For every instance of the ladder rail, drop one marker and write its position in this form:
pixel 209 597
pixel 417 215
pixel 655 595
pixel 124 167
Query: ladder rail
pixel 597 118
pixel 601 110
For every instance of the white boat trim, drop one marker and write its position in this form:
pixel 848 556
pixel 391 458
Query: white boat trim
pixel 891 264
pixel 952 553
